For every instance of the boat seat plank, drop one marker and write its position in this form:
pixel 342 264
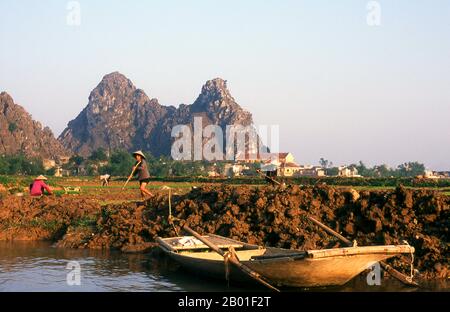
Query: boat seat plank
pixel 348 251
pixel 174 244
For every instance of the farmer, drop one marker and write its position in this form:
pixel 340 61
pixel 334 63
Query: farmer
pixel 105 179
pixel 141 168
pixel 38 187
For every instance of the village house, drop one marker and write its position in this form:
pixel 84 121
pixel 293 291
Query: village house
pixel 288 169
pixel 311 171
pixel 283 163
pixel 48 164
pixel 60 172
pixel 278 158
pixel 429 174
pixel 213 174
pixel 102 164
pixel 247 157
pixel 348 172
pixel 62 160
pixel 234 170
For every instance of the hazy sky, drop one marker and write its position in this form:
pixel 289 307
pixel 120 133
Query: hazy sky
pixel 338 88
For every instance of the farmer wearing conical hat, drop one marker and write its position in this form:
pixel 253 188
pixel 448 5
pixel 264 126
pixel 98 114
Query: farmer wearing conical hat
pixel 38 187
pixel 141 169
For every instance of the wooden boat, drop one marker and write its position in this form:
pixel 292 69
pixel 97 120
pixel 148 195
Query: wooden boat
pixel 282 267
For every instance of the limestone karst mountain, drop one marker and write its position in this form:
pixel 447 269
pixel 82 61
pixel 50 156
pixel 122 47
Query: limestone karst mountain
pixel 121 116
pixel 20 134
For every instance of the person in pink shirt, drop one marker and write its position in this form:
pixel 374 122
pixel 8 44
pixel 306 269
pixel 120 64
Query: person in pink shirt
pixel 38 187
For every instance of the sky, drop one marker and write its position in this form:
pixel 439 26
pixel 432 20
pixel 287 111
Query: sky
pixel 345 80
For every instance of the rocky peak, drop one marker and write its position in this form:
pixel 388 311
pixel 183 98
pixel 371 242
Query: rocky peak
pixel 115 81
pixel 214 96
pixel 112 91
pixel 19 133
pixel 117 115
pixel 216 88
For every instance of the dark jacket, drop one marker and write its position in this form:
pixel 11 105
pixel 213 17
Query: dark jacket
pixel 142 171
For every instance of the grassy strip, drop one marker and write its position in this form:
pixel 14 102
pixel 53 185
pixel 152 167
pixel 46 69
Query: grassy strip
pixel 117 202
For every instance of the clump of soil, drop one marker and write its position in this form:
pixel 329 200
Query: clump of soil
pixel 43 218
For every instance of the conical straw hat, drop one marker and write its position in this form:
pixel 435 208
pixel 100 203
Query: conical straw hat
pixel 139 153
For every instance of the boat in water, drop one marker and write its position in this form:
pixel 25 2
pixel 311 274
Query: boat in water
pixel 281 267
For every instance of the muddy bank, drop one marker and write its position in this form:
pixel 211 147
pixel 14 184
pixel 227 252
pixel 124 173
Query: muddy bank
pixel 46 218
pixel 269 216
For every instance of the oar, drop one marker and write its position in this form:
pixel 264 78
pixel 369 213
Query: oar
pixel 233 260
pixel 393 272
pixel 268 177
pixel 131 175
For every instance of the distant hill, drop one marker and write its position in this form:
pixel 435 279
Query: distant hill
pixel 120 116
pixel 19 133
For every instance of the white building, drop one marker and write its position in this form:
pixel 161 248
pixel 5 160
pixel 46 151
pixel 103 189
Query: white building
pixel 348 172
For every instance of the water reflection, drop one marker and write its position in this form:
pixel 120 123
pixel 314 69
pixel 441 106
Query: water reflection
pixel 37 266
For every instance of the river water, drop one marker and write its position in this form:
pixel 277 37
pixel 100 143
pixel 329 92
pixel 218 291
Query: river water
pixel 37 266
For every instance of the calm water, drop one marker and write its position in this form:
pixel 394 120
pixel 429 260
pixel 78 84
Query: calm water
pixel 37 266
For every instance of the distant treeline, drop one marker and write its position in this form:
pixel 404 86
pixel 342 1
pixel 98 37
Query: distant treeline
pixel 20 164
pixel 119 163
pixel 407 169
pixel 335 181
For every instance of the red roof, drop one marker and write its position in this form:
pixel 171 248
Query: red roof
pixel 291 164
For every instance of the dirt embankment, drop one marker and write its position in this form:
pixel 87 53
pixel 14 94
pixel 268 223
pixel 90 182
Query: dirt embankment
pixel 46 218
pixel 265 215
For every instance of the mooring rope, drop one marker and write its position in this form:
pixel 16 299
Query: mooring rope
pixel 171 218
pixel 411 275
pixel 231 253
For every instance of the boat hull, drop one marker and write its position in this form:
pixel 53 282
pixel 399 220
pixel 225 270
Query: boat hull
pixel 281 267
pixel 287 272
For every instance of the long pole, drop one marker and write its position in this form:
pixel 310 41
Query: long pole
pixel 131 175
pixel 393 272
pixel 269 177
pixel 255 275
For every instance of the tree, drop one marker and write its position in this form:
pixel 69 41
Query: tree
pixel 325 163
pixel 364 170
pixel 12 127
pixel 4 164
pixel 333 171
pixel 50 172
pixel 120 164
pixel 76 159
pixel 410 169
pixel 382 171
pixel 98 155
pixel 20 164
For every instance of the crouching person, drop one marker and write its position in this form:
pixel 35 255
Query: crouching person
pixel 105 179
pixel 39 187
